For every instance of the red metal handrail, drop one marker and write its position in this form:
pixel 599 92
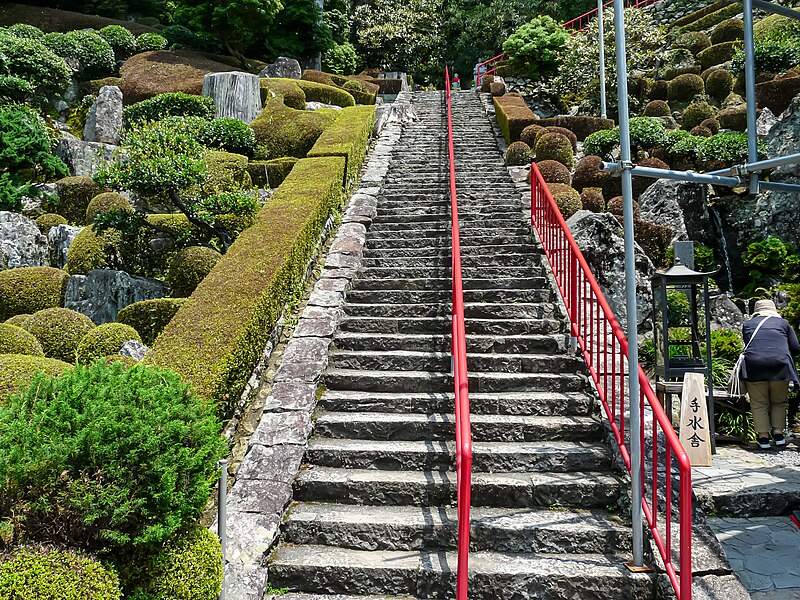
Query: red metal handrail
pixel 460 382
pixel 580 23
pixel 493 61
pixel 604 347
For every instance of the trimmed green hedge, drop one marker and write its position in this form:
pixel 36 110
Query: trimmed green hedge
pixel 215 340
pixel 287 89
pixel 283 131
pixel 327 94
pixel 348 137
pixel 714 18
pixel 513 115
pixel 26 290
pixel 150 317
pixel 270 173
pixel 18 370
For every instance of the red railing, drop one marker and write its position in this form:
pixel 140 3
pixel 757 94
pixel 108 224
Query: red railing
pixel 603 345
pixel 582 22
pixel 489 66
pixel 461 384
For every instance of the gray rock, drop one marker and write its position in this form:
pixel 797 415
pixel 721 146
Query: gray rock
pixel 85 158
pixel 134 349
pixel 245 582
pixel 22 241
pixel 318 105
pixel 288 68
pixel 235 94
pixel 678 62
pixel 725 314
pixel 4 259
pixel 102 293
pixel 104 121
pixel 766 121
pixel 599 237
pixel 784 138
pixel 59 239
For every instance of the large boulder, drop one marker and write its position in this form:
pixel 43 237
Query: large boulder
pixel 678 205
pixel 600 239
pixel 725 314
pixel 288 68
pixel 102 293
pixel 59 239
pixel 235 94
pixel 21 241
pixel 104 121
pixel 85 158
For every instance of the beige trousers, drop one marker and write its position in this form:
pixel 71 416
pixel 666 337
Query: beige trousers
pixel 769 401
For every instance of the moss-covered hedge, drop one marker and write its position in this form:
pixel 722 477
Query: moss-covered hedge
pixel 283 131
pixel 363 89
pixel 270 173
pixel 74 195
pixel 104 340
pixel 292 94
pixel 15 340
pixel 717 54
pixel 702 12
pixel 581 126
pixel 49 220
pixel 215 340
pixel 777 95
pixel 189 267
pixel 59 331
pixel 18 370
pixel 347 137
pixel 106 202
pixel 712 18
pixel 327 94
pixel 150 317
pixel 92 250
pixel 513 115
pixel 30 289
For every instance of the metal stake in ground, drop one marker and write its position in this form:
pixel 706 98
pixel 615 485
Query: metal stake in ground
pixel 630 285
pixel 602 45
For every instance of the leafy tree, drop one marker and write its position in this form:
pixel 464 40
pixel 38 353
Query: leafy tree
pixel 533 48
pixel 298 31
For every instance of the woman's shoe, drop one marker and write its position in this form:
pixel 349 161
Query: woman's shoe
pixel 780 438
pixel 763 443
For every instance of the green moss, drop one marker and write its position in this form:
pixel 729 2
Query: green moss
pixel 282 131
pixel 685 87
pixel 513 115
pixel 176 224
pixel 104 203
pixel 518 154
pixel 555 146
pixel 91 250
pixel 33 573
pixel 59 331
pixel 327 94
pixel 719 84
pixel 15 340
pixel 29 289
pixel 49 220
pixel 18 370
pixel 227 172
pixel 150 317
pixel 717 54
pixel 693 41
pixel 104 340
pixel 287 90
pixel 363 92
pixel 347 137
pixel 729 30
pixel 697 113
pixel 270 173
pixel 189 267
pixel 709 20
pixel 215 340
pixel 18 320
pixel 74 195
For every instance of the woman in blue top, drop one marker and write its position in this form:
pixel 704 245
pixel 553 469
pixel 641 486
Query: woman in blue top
pixel 768 370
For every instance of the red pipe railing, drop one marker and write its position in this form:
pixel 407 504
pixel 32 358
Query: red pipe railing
pixel 603 345
pixel 580 23
pixel 461 384
pixel 491 68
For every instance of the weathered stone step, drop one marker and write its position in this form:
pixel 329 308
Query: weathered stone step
pixel 441 208
pixel 424 381
pixel 465 218
pixel 468 261
pixel 417 528
pixel 301 596
pixel 424 239
pixel 516 344
pixel 434 325
pixel 437 487
pixel 473 310
pixel 367 282
pixel 492 457
pixel 516 272
pixel 500 403
pixel 489 251
pixel 479 223
pixel 485 428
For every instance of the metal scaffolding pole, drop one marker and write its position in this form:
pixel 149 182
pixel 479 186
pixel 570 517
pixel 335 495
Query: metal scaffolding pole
pixel 750 91
pixel 630 286
pixel 776 8
pixel 637 171
pixel 761 165
pixel 602 45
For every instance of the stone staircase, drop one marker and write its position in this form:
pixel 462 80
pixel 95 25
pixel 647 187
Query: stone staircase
pixel 374 512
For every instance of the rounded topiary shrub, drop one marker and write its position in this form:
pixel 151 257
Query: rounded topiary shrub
pixel 49 220
pixel 640 184
pixel 529 134
pixel 189 567
pixel 588 173
pixel 717 54
pixel 566 198
pixel 29 289
pixel 92 250
pixel 518 154
pixel 147 42
pixel 734 118
pixel 657 108
pixel 33 573
pixel 614 206
pixel 129 456
pixel 566 133
pixel 74 195
pixel 685 87
pixel 729 30
pixel 592 199
pixel 105 203
pixel 554 172
pixel 104 340
pixel 719 84
pixel 711 124
pixel 696 113
pixel 189 267
pixel 497 88
pixel 15 340
pixel 693 41
pixel 659 90
pixel 555 146
pixel 150 317
pixel 18 320
pixel 701 131
pixel 18 370
pixel 59 331
pixel 170 104
pixel 228 134
pixel 122 41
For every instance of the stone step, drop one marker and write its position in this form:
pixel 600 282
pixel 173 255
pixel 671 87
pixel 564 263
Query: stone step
pixel 469 261
pixel 301 596
pixel 485 428
pixel 586 490
pixel 424 381
pixel 417 528
pixel 473 310
pixel 515 344
pixel 439 325
pixel 387 239
pixel 500 403
pixel 501 296
pixel 445 271
pixel 474 253
pixel 480 223
pixel 492 457
pixel 367 282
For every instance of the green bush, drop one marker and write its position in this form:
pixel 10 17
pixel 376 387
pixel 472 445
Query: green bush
pixel 170 104
pixel 348 136
pixel 127 455
pixel 533 48
pixel 227 172
pixel 340 59
pixel 529 135
pixel 228 134
pixel 147 42
pixel 701 131
pixel 771 56
pixel 726 344
pixel 106 203
pixel 592 199
pixel 286 90
pixel 601 143
pixel 554 146
pixel 189 267
pixel 566 198
pixel 93 53
pixel 32 61
pixel 647 133
pixel 682 145
pixel 30 289
pixel 704 259
pixel 765 260
pixel 654 239
pixel 59 331
pixel 717 54
pixel 282 131
pixel 14 88
pixel 327 94
pixel 150 317
pixel 74 195
pixel 18 370
pixel 685 87
pixel 121 40
pixel 18 320
pixel 23 30
pixel 15 340
pixel 728 147
pixel 729 30
pixel 696 113
pixel 657 108
pixel 181 38
pixel 104 340
pixel 518 154
pixel 678 309
pixel 580 125
pixel 92 249
pixel 270 173
pixel 719 84
pixel 513 116
pixel 38 573
pixel 215 340
pixel 49 220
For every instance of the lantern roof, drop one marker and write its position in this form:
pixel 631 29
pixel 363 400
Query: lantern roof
pixel 680 273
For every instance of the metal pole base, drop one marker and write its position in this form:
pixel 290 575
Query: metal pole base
pixel 645 568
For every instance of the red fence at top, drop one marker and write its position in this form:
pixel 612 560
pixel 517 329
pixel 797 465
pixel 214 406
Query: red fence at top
pixel 487 67
pixel 461 384
pixel 582 22
pixel 603 345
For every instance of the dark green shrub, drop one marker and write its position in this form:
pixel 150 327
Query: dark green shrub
pixel 121 40
pixel 588 174
pixel 340 59
pixel 23 30
pixel 765 260
pixel 59 331
pixel 14 88
pixel 727 147
pixel 228 134
pixel 270 173
pixel 726 344
pixel 646 133
pixel 657 108
pixel 281 131
pixel 553 172
pixel 580 126
pixel 654 239
pixel 146 42
pixel 181 38
pixel 106 203
pixel 74 195
pixel 127 455
pixel 49 220
pixel 554 146
pixel 659 90
pixel 30 60
pixel 189 267
pixel 771 56
pixel 93 53
pixel 696 113
pixel 104 340
pixel 286 90
pixel 730 30
pixel 693 41
pixel 717 54
pixel 566 133
pixel 592 199
pixel 31 289
pixel 32 573
pixel 92 249
pixel 529 135
pixel 518 154
pixel 150 317
pixel 533 48
pixel 18 320
pixel 685 87
pixel 170 104
pixel 719 84
pixel 601 143
pixel 682 145
pixel 18 370
pixel 566 198
pixel 15 340
pixel 678 61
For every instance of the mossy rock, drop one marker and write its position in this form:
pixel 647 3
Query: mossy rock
pixel 518 154
pixel 693 41
pixel 104 340
pixel 708 20
pixel 696 113
pixel 15 340
pixel 235 224
pixel 701 131
pixel 685 87
pixel 92 250
pixel 59 331
pixel 588 174
pixel 657 108
pixel 49 220
pixel 18 370
pixel 189 267
pixel 592 199
pixel 717 54
pixel 105 203
pixel 555 146
pixel 554 172
pixel 150 317
pixel 734 118
pixel 282 131
pixel 227 172
pixel 719 83
pixel 566 198
pixel 659 90
pixel 678 62
pixel 730 30
pixel 778 94
pixel 286 90
pixel 30 289
pixel 711 124
pixel 56 575
pixel 270 173
pixel 74 195
pixel 18 320
pixel 772 25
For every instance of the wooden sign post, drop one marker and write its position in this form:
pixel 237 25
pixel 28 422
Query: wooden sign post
pixel 695 433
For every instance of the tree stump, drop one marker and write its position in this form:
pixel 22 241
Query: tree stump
pixel 235 94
